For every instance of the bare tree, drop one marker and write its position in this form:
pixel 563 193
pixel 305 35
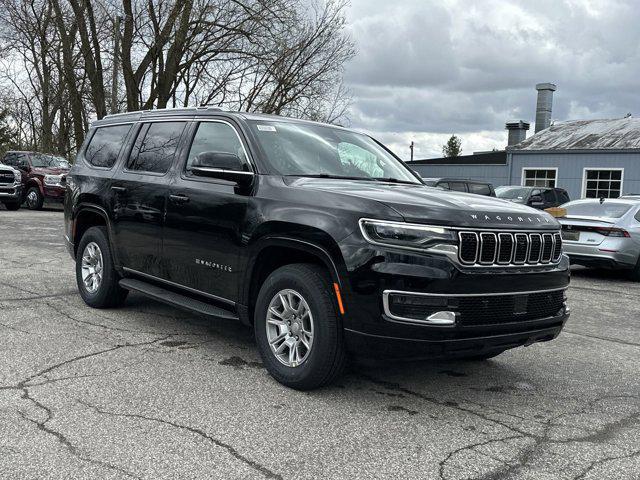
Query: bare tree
pixel 273 56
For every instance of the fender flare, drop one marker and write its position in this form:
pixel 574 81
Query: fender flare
pixel 284 241
pixel 91 207
pixel 34 182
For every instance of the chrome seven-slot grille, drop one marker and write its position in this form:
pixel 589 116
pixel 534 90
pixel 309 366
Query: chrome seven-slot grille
pixel 509 248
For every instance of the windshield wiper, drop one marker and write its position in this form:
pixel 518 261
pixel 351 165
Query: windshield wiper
pixel 328 175
pixel 394 180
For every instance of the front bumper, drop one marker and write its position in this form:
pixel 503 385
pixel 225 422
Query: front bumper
pixel 462 344
pixel 373 272
pixel 611 253
pixel 11 193
pixel 54 194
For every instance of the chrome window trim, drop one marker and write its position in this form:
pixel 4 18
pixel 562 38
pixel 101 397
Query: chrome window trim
pixel 387 293
pixel 198 121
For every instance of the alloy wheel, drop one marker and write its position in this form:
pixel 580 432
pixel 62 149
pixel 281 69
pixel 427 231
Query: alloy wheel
pixel 92 267
pixel 289 327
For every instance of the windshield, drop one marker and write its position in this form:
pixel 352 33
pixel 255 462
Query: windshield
pixel 596 209
pixel 512 193
pixel 298 149
pixel 48 161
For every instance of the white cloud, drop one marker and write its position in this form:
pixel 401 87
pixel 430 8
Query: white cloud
pixel 429 68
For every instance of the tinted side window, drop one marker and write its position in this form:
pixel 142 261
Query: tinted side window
pixel 562 196
pixel 105 145
pixel 479 189
pixel 458 186
pixel 215 137
pixel 637 216
pixel 444 185
pixel 549 196
pixel 155 147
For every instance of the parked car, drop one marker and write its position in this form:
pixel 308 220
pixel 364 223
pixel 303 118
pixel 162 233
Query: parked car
pixel 603 233
pixel 43 176
pixel 317 236
pixel 10 187
pixel 536 197
pixel 462 185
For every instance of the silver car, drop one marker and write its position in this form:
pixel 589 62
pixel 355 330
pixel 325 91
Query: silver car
pixel 603 233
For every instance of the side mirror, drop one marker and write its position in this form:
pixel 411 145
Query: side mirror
pixel 225 166
pixel 536 201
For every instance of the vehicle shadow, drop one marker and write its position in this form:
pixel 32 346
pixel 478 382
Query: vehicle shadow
pixel 600 274
pixel 448 381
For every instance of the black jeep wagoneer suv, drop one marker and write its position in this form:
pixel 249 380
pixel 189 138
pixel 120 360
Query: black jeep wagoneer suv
pixel 317 236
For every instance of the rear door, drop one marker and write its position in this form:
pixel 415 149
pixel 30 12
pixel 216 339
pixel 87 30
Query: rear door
pixel 138 194
pixel 203 230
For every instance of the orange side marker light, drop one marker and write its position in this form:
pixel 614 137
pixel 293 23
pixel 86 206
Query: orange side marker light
pixel 339 298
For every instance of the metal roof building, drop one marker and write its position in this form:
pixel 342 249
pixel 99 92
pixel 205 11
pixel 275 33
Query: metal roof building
pixel 588 158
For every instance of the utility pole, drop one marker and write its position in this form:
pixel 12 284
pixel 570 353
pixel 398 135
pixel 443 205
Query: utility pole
pixel 411 148
pixel 116 64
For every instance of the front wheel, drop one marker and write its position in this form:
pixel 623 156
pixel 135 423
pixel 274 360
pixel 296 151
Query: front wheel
pixel 96 276
pixel 297 329
pixel 34 199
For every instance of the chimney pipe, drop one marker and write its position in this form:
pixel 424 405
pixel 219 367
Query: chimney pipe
pixel 517 132
pixel 544 105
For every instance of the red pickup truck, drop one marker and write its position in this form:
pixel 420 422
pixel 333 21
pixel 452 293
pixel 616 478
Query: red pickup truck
pixel 43 176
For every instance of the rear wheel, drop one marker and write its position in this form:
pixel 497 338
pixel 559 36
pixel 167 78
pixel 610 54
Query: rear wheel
pixel 34 199
pixel 297 329
pixel 12 205
pixel 96 276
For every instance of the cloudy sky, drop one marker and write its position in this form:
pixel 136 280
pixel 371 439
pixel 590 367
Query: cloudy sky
pixel 428 68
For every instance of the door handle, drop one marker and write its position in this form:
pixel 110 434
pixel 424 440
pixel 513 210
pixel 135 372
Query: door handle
pixel 179 199
pixel 118 189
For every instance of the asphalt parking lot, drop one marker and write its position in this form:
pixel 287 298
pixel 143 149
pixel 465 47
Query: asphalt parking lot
pixel 148 391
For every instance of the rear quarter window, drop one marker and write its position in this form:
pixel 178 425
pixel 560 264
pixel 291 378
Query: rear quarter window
pixel 105 145
pixel 480 189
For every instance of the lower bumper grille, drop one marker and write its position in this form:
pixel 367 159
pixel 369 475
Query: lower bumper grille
pixel 476 310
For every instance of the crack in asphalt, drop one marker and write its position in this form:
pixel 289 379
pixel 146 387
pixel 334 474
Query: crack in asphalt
pixel 197 431
pixel 540 441
pixel 26 384
pixel 605 460
pixel 597 337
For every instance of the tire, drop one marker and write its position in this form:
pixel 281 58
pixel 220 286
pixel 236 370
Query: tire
pixel 635 273
pixel 12 206
pixel 108 292
pixel 324 361
pixel 34 199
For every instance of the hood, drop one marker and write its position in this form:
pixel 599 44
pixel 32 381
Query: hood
pixel 422 204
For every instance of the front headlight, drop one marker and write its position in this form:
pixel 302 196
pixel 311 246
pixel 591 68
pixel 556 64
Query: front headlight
pixel 17 177
pixel 52 180
pixel 405 235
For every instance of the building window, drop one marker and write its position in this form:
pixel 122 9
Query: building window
pixel 539 177
pixel 602 183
